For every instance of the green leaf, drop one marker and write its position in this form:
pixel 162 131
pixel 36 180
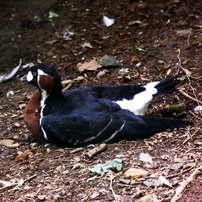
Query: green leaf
pixel 108 61
pixel 134 22
pixel 141 49
pixel 162 11
pixel 124 71
pixel 52 15
pixel 99 169
pixel 115 165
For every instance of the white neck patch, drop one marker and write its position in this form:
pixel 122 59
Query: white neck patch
pixel 29 76
pixel 41 72
pixel 44 94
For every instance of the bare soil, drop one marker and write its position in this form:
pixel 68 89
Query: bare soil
pixel 164 37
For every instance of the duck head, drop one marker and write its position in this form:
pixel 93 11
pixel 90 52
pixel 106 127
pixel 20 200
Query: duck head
pixel 46 79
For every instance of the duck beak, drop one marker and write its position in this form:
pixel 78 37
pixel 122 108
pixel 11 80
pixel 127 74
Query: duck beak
pixel 23 78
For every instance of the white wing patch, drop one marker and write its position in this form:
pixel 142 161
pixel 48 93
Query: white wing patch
pixel 140 102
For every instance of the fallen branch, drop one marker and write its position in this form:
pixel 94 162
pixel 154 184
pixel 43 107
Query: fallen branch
pixel 102 147
pixel 181 188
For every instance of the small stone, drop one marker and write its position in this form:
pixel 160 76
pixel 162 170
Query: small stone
pixel 50 54
pixel 116 149
pixel 124 181
pixel 56 197
pixel 160 61
pixel 41 197
pixel 101 73
pixel 16 137
pixel 65 172
pixel 17 125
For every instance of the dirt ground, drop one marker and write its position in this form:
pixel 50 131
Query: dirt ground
pixel 150 39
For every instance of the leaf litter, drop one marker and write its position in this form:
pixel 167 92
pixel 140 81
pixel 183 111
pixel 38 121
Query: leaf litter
pixel 120 41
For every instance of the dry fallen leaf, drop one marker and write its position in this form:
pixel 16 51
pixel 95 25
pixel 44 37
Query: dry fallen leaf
pixel 41 197
pixel 95 195
pixel 23 155
pixel 51 42
pixel 134 59
pixel 176 166
pixel 17 124
pixel 91 66
pixel 22 106
pixel 146 158
pixel 147 198
pixel 86 45
pixel 8 143
pixel 5 183
pixel 157 182
pixel 164 181
pixel 135 173
pixel 184 32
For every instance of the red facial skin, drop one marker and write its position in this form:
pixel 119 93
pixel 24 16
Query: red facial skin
pixel 32 115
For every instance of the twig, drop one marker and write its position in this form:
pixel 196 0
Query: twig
pixel 102 147
pixel 188 38
pixel 180 189
pixel 187 76
pixel 111 187
pixel 195 149
pixel 76 150
pixel 182 172
pixel 189 137
pixel 66 84
pixel 15 184
pixel 189 97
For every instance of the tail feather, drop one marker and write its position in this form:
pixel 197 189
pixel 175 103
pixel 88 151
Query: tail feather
pixel 167 85
pixel 160 124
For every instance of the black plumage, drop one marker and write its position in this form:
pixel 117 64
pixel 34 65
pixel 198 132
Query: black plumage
pixel 91 115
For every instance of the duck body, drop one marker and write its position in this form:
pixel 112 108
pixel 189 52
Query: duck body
pixel 91 115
